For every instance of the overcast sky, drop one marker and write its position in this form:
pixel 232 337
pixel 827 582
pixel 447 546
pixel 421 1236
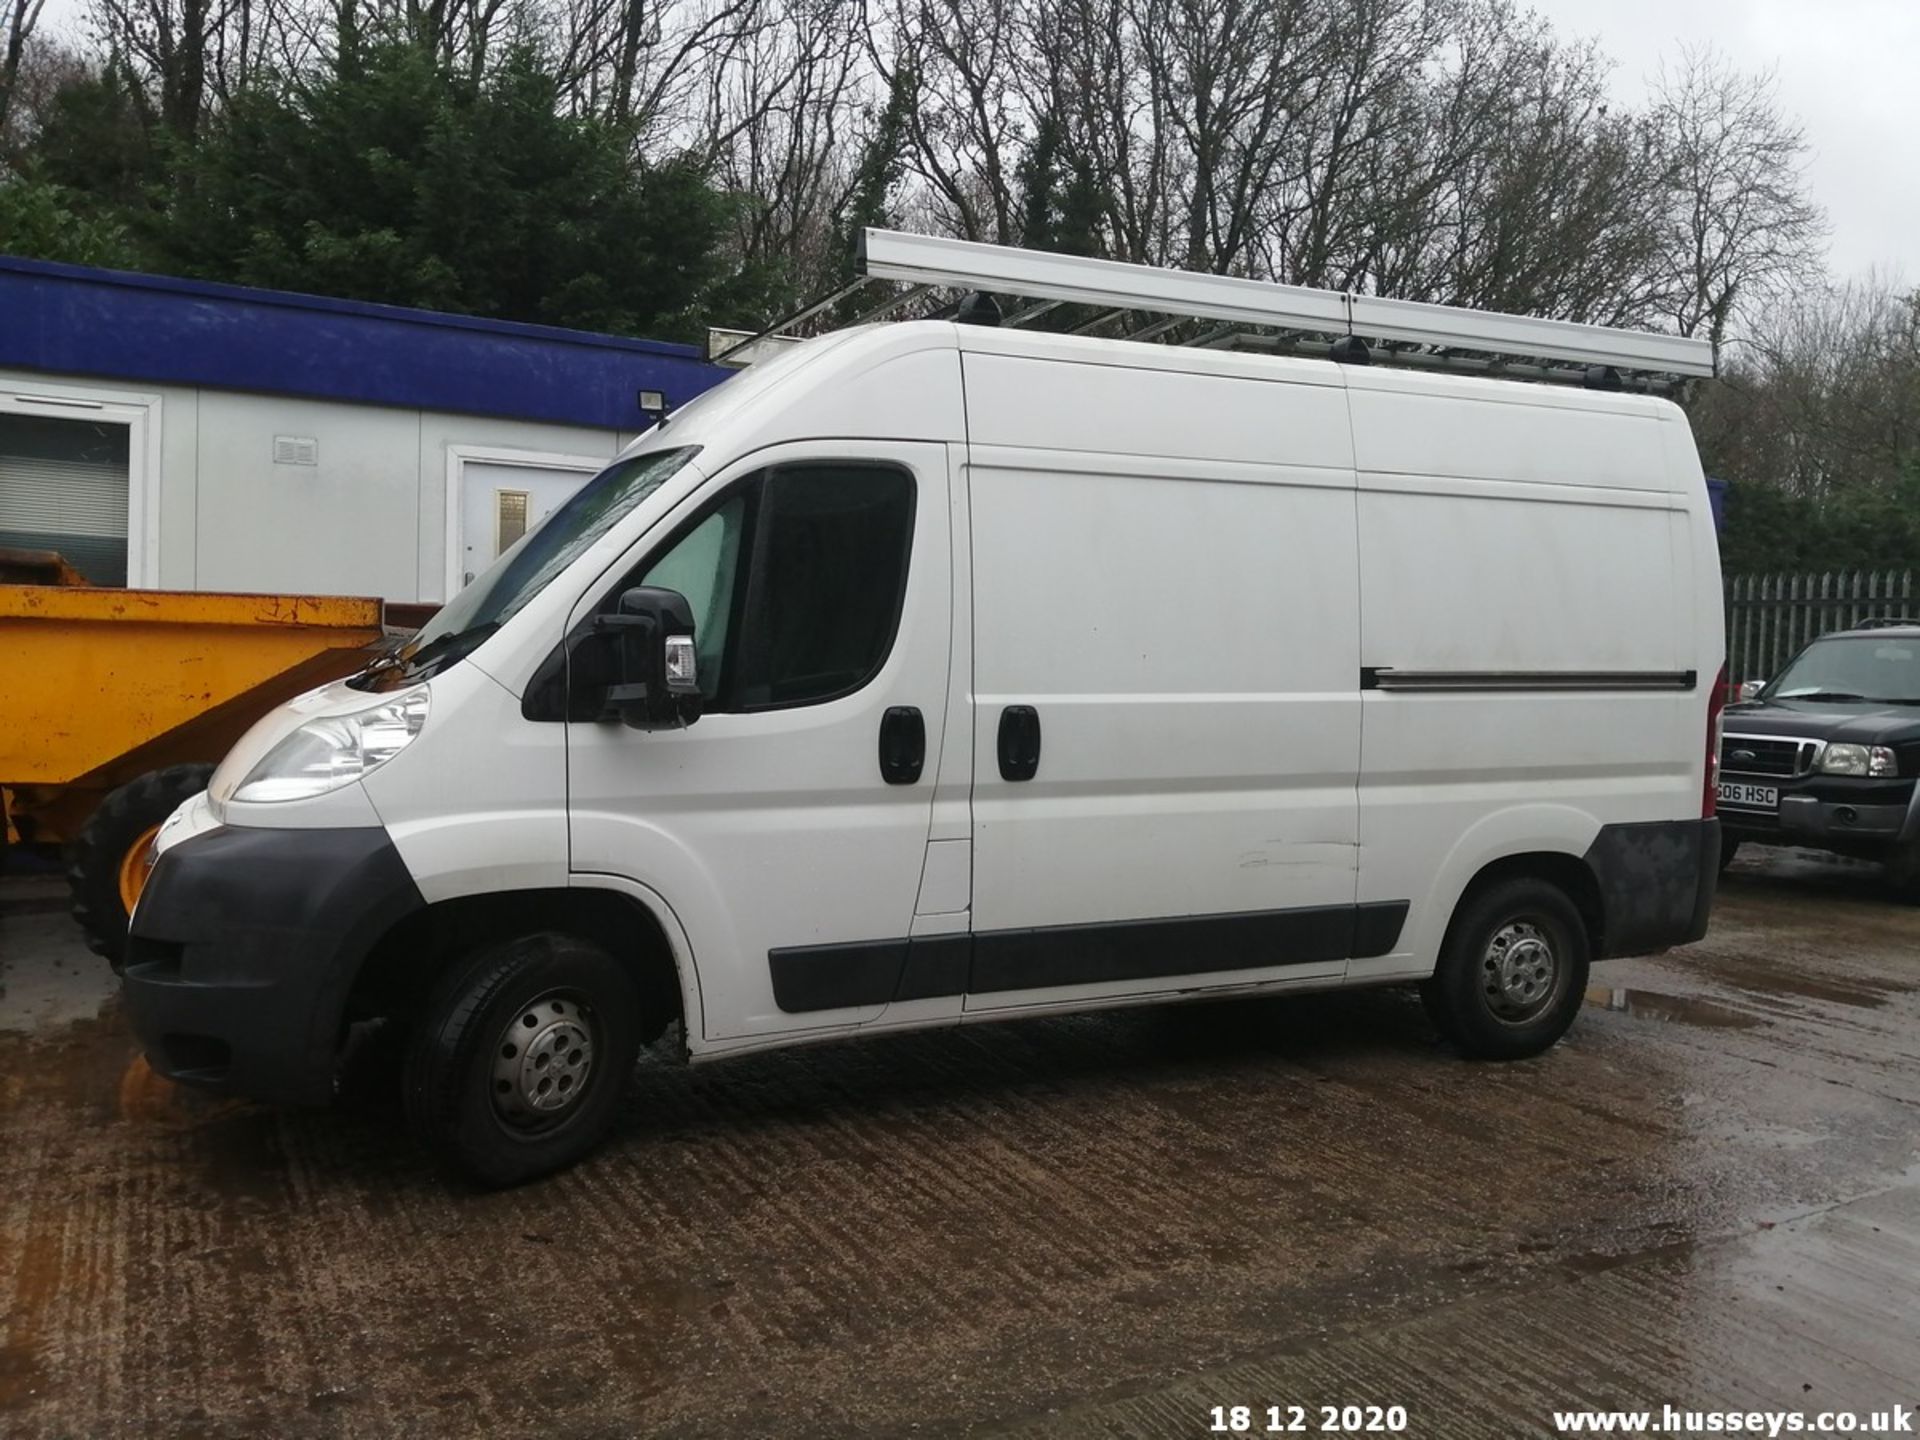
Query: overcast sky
pixel 1846 68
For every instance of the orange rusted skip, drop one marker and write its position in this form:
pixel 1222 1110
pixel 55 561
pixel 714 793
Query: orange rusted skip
pixel 105 684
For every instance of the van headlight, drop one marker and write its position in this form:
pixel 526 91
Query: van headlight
pixel 325 754
pixel 1875 760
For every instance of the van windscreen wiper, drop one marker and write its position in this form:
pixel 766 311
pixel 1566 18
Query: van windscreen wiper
pixel 451 646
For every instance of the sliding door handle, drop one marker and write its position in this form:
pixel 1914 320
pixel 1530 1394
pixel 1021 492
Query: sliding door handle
pixel 903 745
pixel 1019 742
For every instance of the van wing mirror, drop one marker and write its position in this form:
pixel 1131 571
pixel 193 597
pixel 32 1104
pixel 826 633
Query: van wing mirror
pixel 655 682
pixel 1750 689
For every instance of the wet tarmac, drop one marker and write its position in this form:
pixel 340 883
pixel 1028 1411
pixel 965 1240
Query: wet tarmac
pixel 1707 1196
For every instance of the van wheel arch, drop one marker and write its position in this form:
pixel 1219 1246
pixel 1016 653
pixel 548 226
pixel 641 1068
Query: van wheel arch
pixel 401 969
pixel 1568 873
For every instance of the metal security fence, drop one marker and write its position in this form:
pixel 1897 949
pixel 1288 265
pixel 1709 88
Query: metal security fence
pixel 1769 617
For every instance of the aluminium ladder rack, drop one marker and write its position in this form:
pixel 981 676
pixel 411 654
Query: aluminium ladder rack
pixel 1241 309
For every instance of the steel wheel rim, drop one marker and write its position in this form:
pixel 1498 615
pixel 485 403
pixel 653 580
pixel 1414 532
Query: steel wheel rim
pixel 543 1062
pixel 135 866
pixel 1520 972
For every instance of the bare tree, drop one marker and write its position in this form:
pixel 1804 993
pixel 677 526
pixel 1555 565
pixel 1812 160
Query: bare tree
pixel 784 131
pixel 178 47
pixel 22 17
pixel 1741 225
pixel 971 123
pixel 1453 150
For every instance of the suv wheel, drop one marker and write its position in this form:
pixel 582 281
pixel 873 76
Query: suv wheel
pixel 1903 869
pixel 1513 972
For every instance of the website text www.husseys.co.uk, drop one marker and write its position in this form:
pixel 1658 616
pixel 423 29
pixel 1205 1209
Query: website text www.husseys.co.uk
pixel 1669 1421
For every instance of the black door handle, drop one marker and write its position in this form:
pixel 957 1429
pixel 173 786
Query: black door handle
pixel 903 745
pixel 1019 742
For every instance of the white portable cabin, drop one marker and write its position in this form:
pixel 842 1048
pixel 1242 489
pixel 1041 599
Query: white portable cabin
pixel 182 435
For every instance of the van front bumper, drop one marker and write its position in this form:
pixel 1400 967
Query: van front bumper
pixel 243 949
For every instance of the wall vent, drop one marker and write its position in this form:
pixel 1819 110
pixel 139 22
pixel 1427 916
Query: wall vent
pixel 296 450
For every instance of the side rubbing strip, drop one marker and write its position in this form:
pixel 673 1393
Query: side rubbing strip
pixel 936 965
pixel 873 972
pixel 1146 949
pixel 1381 677
pixel 1376 928
pixel 833 977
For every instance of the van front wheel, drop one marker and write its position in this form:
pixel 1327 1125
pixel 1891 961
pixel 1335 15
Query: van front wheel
pixel 517 1066
pixel 1513 973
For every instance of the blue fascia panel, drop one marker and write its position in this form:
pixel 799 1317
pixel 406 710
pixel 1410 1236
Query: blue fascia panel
pixel 1717 498
pixel 76 320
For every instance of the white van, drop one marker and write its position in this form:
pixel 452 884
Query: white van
pixel 935 673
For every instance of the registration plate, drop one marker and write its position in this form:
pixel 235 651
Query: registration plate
pixel 1743 796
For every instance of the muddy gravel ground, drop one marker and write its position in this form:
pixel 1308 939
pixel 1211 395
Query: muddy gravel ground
pixel 1707 1196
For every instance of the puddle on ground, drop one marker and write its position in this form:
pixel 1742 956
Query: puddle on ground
pixel 1682 1009
pixel 1598 1262
pixel 1865 993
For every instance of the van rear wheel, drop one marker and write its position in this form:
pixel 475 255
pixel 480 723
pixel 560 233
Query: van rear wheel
pixel 1513 972
pixel 517 1066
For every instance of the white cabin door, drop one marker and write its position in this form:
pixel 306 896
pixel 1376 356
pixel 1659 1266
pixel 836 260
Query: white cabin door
pixel 499 500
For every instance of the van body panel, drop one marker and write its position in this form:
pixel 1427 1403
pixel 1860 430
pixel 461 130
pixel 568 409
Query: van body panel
pixel 509 833
pixel 773 830
pixel 951 766
pixel 686 970
pixel 1406 423
pixel 1532 540
pixel 1185 628
pixel 1094 352
pixel 1696 546
pixel 1142 412
pixel 872 382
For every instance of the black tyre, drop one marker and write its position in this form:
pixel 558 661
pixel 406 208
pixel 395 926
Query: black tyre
pixel 1513 972
pixel 516 1068
pixel 1903 870
pixel 107 864
pixel 1729 847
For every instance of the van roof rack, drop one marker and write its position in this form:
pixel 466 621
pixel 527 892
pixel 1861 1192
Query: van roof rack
pixel 1156 303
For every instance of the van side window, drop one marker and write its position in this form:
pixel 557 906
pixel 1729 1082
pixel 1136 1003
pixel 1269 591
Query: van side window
pixel 796 579
pixel 829 573
pixel 702 567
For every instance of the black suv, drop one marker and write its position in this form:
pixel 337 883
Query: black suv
pixel 1827 753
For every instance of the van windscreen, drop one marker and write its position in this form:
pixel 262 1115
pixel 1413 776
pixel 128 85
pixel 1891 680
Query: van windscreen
pixel 499 592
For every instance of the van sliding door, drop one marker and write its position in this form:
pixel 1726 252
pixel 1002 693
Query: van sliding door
pixel 1166 707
